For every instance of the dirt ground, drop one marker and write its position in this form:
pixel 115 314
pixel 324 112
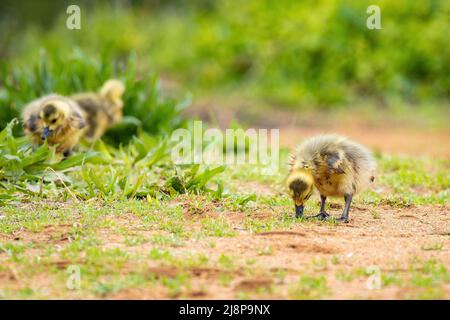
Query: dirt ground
pixel 384 238
pixel 388 243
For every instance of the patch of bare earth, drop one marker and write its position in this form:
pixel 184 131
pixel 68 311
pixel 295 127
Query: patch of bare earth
pixel 389 242
pixel 315 249
pixel 266 264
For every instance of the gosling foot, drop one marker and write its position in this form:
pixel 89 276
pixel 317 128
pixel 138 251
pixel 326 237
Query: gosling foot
pixel 342 219
pixel 320 216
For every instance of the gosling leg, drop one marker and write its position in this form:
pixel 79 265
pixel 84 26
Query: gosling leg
pixel 322 213
pixel 348 201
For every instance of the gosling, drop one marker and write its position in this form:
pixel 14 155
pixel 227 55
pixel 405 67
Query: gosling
pixel 335 165
pixel 102 109
pixel 55 119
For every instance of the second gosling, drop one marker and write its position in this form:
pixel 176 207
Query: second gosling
pixel 335 165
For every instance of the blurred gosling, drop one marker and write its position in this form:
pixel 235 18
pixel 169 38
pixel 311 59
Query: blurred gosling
pixel 102 109
pixel 335 165
pixel 55 119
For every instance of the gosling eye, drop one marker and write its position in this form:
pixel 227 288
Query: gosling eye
pixel 54 121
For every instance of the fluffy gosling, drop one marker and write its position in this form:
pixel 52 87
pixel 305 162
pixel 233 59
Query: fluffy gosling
pixel 102 109
pixel 335 165
pixel 57 119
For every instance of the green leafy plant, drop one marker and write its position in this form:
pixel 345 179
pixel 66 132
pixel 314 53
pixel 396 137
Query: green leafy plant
pixel 21 167
pixel 142 168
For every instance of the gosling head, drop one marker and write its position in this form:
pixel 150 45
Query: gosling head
pixel 300 185
pixel 53 114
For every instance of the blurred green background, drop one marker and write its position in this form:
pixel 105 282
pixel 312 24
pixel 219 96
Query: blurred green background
pixel 291 54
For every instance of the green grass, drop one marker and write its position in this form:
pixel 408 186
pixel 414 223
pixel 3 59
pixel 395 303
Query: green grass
pixel 141 169
pixel 433 246
pixel 217 227
pixel 424 279
pixel 309 287
pixel 107 238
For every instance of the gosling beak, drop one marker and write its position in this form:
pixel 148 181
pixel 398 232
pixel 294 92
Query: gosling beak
pixel 299 211
pixel 45 133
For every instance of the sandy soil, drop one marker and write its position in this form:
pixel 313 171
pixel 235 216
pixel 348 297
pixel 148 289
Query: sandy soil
pixel 389 242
